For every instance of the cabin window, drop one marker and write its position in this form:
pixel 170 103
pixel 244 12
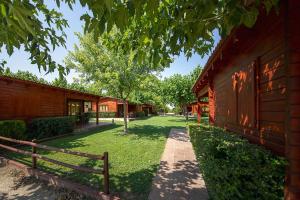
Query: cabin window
pixel 87 106
pixel 103 108
pixel 74 108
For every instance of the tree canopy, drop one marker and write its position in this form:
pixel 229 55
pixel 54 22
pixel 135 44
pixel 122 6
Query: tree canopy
pixel 118 72
pixel 177 89
pixel 167 27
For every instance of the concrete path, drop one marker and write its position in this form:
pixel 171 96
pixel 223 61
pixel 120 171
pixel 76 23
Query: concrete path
pixel 178 176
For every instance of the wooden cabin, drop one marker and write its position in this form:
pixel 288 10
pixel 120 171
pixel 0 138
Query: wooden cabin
pixel 25 100
pixel 252 81
pixel 112 105
pixel 115 105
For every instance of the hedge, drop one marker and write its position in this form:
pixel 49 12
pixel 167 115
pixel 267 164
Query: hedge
pixel 51 126
pixel 13 129
pixel 103 114
pixel 141 114
pixel 235 169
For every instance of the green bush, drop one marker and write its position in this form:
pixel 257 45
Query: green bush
pixel 13 129
pixel 52 126
pixel 103 114
pixel 154 113
pixel 85 117
pixel 235 169
pixel 140 114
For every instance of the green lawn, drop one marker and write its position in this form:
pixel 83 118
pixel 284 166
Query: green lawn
pixel 133 158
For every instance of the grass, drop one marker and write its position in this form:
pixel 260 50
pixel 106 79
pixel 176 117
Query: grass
pixel 133 158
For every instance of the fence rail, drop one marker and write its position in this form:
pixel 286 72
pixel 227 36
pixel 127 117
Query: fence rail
pixel 35 156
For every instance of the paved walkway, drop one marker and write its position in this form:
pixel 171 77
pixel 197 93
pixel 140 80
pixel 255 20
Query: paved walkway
pixel 178 176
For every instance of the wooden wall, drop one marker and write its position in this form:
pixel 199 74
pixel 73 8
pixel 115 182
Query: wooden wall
pixel 26 100
pixel 249 92
pixel 111 103
pixel 253 84
pixel 293 98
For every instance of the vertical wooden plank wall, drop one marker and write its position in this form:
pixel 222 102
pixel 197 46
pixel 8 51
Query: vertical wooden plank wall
pixel 20 99
pixel 292 191
pixel 211 102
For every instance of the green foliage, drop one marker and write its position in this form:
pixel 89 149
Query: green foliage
pixel 177 90
pixel 154 29
pixel 51 126
pixel 141 114
pixel 57 82
pixel 34 26
pixel 23 75
pixel 85 117
pixel 195 73
pixel 13 129
pixel 134 158
pixel 235 169
pixel 117 71
pixel 103 114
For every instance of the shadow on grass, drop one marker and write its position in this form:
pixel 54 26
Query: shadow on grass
pixel 75 140
pixel 135 185
pixel 151 131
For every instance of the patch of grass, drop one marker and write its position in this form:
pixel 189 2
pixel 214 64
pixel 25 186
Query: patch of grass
pixel 133 158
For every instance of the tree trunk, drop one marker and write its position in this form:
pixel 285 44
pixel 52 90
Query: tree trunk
pixel 125 116
pixel 186 113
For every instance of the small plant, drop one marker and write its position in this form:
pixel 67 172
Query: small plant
pixel 13 129
pixel 235 169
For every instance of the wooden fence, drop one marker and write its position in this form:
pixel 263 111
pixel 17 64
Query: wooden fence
pixel 35 156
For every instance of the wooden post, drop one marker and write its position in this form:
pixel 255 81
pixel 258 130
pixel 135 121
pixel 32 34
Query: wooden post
pixel 106 173
pixel 199 112
pixel 34 158
pixel 97 112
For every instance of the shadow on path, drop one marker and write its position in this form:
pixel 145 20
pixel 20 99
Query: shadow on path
pixel 178 176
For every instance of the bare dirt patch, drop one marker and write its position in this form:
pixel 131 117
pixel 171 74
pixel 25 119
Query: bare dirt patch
pixel 14 184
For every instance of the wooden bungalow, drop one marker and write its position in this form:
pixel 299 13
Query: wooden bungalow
pixel 22 99
pixel 112 105
pixel 252 81
pixel 115 105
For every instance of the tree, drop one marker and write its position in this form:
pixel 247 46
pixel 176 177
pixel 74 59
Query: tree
pixel 166 27
pixel 118 72
pixel 150 92
pixel 24 75
pixel 177 90
pixel 195 73
pixel 35 27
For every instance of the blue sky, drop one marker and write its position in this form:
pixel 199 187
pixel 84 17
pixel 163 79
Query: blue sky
pixel 19 60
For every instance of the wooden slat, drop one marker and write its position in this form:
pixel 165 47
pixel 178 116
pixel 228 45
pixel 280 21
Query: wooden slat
pixel 274 95
pixel 79 168
pixel 273 85
pixel 272 74
pixel 273 106
pixel 272 116
pixel 92 156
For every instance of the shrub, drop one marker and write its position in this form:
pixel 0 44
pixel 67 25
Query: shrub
pixel 154 113
pixel 47 127
pixel 85 117
pixel 235 169
pixel 13 129
pixel 103 114
pixel 140 114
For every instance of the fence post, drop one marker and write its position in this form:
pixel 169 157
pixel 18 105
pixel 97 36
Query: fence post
pixel 106 173
pixel 34 158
